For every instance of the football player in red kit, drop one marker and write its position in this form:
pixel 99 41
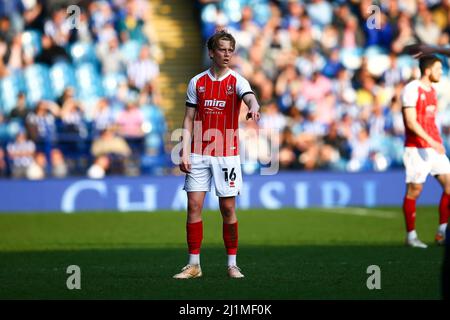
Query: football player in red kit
pixel 210 150
pixel 424 151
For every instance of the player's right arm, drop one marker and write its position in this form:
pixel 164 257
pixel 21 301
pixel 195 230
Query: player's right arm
pixel 410 116
pixel 188 125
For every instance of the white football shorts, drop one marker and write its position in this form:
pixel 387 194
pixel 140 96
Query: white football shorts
pixel 420 162
pixel 225 171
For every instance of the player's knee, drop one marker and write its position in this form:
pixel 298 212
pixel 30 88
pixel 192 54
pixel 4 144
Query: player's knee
pixel 194 207
pixel 447 188
pixel 414 191
pixel 227 211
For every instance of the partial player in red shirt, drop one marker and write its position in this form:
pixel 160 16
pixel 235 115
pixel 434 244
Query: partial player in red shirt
pixel 210 149
pixel 424 151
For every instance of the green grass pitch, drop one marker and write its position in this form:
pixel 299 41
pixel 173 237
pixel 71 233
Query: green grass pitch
pixel 284 254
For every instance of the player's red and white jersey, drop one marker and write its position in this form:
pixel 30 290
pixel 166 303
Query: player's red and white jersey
pixel 217 103
pixel 415 95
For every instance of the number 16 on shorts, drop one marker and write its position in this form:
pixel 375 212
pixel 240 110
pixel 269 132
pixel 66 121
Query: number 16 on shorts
pixel 229 177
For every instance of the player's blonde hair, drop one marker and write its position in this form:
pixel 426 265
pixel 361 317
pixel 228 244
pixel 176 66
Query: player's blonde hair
pixel 213 41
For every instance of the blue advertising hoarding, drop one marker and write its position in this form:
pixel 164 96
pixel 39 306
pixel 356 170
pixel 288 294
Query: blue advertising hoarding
pixel 151 193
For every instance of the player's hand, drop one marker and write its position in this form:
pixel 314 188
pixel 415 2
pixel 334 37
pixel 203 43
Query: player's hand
pixel 438 147
pixel 185 164
pixel 253 115
pixel 418 50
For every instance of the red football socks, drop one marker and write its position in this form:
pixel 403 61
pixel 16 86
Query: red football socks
pixel 409 210
pixel 194 236
pixel 444 208
pixel 230 237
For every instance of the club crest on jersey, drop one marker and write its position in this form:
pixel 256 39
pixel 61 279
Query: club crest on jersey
pixel 430 109
pixel 230 89
pixel 201 89
pixel 422 97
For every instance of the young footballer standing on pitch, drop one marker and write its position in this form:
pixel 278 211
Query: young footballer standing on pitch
pixel 210 148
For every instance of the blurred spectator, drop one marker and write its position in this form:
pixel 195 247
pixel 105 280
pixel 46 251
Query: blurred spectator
pixel 3 165
pixel 34 15
pixel 131 26
pixel 404 34
pixel 393 74
pixel 333 65
pixel 130 121
pixel 335 140
pixel 351 36
pixel 41 125
pixel 320 11
pixel 20 155
pixel 99 168
pixel 58 165
pixel 83 32
pixel 58 28
pixel 20 110
pixel 377 119
pixel 72 116
pixel 144 70
pixel 6 29
pixel 113 146
pixel 292 19
pixel 103 116
pixel 51 52
pixel 360 146
pixel 426 29
pixel 111 57
pixel 108 143
pixel 254 147
pixel 68 93
pixel 37 169
pixel 272 118
pixel 314 89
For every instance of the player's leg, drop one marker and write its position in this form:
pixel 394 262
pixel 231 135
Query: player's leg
pixel 194 225
pixel 197 183
pixel 228 180
pixel 442 171
pixel 230 233
pixel 417 168
pixel 194 235
pixel 413 191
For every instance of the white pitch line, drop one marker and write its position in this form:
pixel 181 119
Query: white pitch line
pixel 362 212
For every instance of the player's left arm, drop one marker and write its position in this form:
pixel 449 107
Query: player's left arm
pixel 253 107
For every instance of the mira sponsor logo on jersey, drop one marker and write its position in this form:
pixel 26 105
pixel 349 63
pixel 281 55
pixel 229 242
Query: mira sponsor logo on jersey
pixel 215 104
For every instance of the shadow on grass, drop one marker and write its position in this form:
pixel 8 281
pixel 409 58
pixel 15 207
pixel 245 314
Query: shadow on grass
pixel 272 272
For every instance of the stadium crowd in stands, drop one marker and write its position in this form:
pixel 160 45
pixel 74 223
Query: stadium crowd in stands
pixel 329 75
pixel 77 100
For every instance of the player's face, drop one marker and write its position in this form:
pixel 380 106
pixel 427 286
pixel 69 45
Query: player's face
pixel 222 55
pixel 436 72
